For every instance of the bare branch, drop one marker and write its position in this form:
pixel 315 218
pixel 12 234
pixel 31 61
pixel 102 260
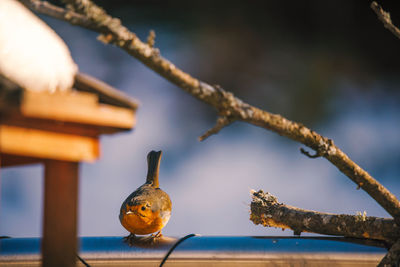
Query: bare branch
pixel 221 123
pixel 385 18
pixel 266 210
pixel 392 258
pixel 225 102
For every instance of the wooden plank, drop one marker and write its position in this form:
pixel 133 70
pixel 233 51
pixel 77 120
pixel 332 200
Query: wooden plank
pixel 49 145
pixel 69 108
pixel 16 119
pixel 7 160
pixel 107 94
pixel 60 243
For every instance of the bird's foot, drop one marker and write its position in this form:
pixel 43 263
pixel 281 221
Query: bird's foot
pixel 130 239
pixel 154 238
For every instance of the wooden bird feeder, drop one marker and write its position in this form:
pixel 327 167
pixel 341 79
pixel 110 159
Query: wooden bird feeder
pixel 60 130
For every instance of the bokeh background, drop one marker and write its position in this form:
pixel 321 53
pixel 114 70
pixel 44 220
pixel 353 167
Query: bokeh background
pixel 328 64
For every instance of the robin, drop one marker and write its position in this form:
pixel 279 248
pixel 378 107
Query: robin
pixel 148 209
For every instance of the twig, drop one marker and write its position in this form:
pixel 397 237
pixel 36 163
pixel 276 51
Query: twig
pixel 225 102
pixel 221 123
pixel 385 18
pixel 151 39
pixel 59 13
pixel 392 258
pixel 266 210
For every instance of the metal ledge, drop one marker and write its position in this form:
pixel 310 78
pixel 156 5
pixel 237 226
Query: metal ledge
pixel 208 250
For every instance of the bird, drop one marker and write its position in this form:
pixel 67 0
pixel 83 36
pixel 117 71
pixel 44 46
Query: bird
pixel 148 209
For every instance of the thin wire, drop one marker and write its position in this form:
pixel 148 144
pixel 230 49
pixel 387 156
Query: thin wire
pixel 83 261
pixel 174 246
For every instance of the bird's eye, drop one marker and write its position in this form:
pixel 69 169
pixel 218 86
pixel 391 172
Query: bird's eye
pixel 143 208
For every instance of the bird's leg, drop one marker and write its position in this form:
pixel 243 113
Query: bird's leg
pixel 130 239
pixel 158 234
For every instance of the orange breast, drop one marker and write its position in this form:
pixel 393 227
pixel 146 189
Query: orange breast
pixel 140 225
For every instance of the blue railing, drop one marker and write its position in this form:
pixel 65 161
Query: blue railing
pixel 204 248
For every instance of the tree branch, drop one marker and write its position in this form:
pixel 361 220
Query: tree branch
pixel 385 18
pixel 266 210
pixel 112 31
pixel 392 258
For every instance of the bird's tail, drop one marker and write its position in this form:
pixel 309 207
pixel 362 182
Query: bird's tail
pixel 153 162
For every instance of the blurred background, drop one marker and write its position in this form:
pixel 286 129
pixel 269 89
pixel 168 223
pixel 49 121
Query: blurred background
pixel 330 65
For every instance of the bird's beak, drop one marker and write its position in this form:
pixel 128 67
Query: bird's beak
pixel 129 212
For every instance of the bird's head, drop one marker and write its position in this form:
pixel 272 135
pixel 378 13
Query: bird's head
pixel 142 210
